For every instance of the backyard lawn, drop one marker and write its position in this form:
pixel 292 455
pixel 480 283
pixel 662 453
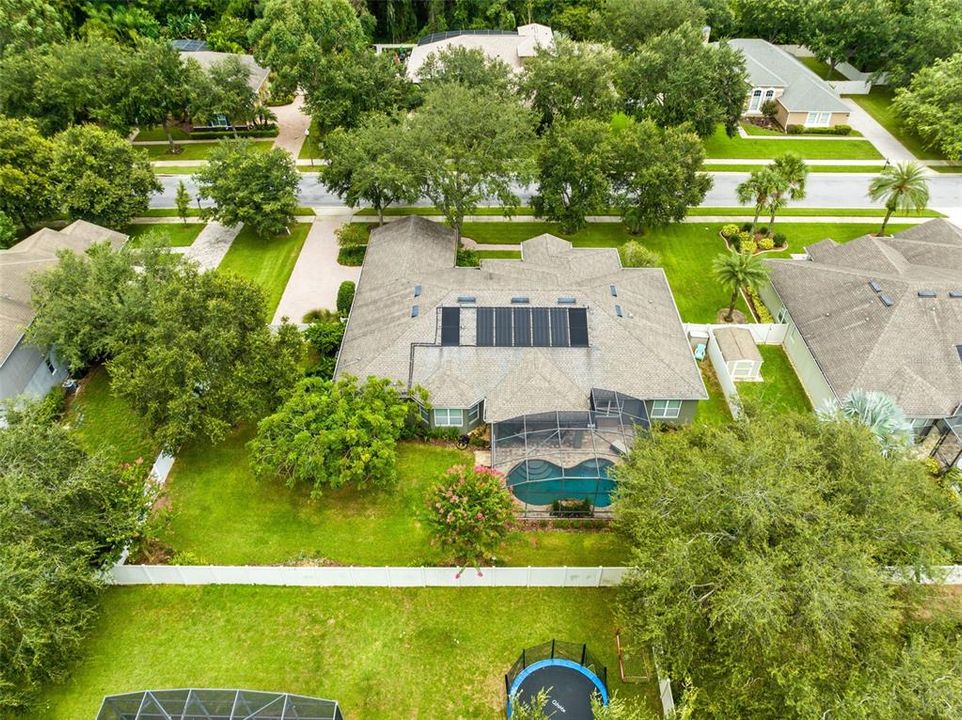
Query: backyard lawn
pixel 878 104
pixel 266 261
pixel 195 151
pixel 720 145
pixel 500 254
pixel 176 234
pixel 381 653
pixel 780 389
pixel 222 514
pixel 822 69
pixel 714 410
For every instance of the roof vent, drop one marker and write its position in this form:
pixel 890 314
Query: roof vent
pixel 415 310
pixel 955 293
pixel 927 294
pixel 874 284
pixel 467 299
pixel 417 291
pixel 520 300
pixel 618 311
pixel 887 301
pixel 567 300
pixel 614 290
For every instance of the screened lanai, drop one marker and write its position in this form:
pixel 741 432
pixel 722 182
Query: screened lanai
pixel 567 455
pixel 216 704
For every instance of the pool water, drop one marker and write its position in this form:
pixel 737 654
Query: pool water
pixel 541 482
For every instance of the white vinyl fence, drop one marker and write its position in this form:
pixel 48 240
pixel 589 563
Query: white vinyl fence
pixel 397 577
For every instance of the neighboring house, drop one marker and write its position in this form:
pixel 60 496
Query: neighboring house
pixel 563 353
pixel 197 51
pixel 25 369
pixel 512 47
pixel 881 314
pixel 802 97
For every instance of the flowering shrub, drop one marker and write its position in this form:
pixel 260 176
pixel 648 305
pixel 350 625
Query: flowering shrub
pixel 766 243
pixel 470 513
pixel 748 247
pixel 730 230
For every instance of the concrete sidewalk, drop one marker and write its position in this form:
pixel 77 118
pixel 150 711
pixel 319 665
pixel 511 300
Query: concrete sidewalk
pixel 316 276
pixel 882 139
pixel 211 245
pixel 691 219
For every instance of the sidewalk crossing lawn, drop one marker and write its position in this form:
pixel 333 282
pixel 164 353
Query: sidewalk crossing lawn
pixel 177 234
pixel 720 145
pixel 381 653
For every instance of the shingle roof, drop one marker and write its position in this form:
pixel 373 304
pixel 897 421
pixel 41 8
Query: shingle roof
pixel 644 353
pixel 907 350
pixel 508 46
pixel 206 58
pixel 770 66
pixel 737 344
pixel 35 254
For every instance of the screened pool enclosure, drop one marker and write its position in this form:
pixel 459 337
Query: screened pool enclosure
pixel 211 704
pixel 553 456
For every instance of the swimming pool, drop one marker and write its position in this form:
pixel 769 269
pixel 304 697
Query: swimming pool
pixel 540 482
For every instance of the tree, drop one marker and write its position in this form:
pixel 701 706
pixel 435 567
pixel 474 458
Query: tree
pixel 778 21
pixel 325 338
pixel 331 433
pixel 291 36
pixel 634 254
pixel 879 413
pixel 736 271
pixel 858 31
pixel 764 555
pixel 532 708
pixel 344 86
pixel 158 92
pixel 468 145
pixel 627 24
pixel 258 189
pixel 931 106
pixel 370 164
pixel 570 80
pixel 98 176
pixel 573 163
pixel 8 231
pixel 656 173
pixel 64 516
pixel 182 200
pixel 222 89
pixel 675 78
pixel 758 190
pixel 901 187
pixel 790 173
pixel 205 360
pixel 26 191
pixel 26 24
pixel 469 67
pixel 925 31
pixel 470 513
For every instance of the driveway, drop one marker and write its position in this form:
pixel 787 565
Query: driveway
pixel 316 276
pixel 292 121
pixel 882 139
pixel 211 244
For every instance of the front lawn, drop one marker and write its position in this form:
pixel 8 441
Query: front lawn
pixel 266 261
pixel 878 104
pixel 157 133
pixel 381 653
pixel 720 145
pixel 726 167
pixel 195 151
pixel 780 389
pixel 177 234
pixel 222 514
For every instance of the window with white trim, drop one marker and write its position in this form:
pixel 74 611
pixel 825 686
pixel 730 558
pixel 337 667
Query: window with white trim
pixel 743 369
pixel 818 119
pixel 756 101
pixel 769 94
pixel 448 417
pixel 425 415
pixel 473 413
pixel 665 409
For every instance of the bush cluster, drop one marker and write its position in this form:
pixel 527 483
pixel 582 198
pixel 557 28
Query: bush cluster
pixel 351 256
pixel 221 134
pixel 834 130
pixel 345 296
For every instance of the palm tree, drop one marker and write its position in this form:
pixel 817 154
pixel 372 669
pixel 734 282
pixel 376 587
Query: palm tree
pixel 790 173
pixel 879 412
pixel 757 190
pixel 737 270
pixel 902 187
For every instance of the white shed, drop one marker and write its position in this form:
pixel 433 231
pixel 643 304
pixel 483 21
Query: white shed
pixel 740 353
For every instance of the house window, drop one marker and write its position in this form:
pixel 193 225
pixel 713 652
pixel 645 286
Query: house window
pixel 743 369
pixel 756 101
pixel 818 119
pixel 769 94
pixel 474 413
pixel 219 120
pixel 782 315
pixel 425 415
pixel 665 409
pixel 448 417
pixel 920 424
pixel 50 366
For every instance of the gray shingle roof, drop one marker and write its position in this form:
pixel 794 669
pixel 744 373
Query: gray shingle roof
pixel 35 254
pixel 907 350
pixel 644 354
pixel 206 58
pixel 770 66
pixel 737 344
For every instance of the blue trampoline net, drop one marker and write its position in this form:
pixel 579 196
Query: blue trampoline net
pixel 216 704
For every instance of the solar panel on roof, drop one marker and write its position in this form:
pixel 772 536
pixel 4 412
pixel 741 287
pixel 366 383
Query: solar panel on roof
pixel 522 327
pixel 485 325
pixel 502 327
pixel 450 326
pixel 559 327
pixel 541 334
pixel 886 300
pixel 578 327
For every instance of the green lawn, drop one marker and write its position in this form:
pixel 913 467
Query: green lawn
pixel 728 167
pixel 714 410
pixel 195 212
pixel 311 147
pixel 686 250
pixel 947 168
pixel 104 421
pixel 177 234
pixel 157 133
pixel 382 653
pixel 878 104
pixel 222 514
pixel 752 129
pixel 822 69
pixel 177 169
pixel 500 254
pixel 780 388
pixel 809 212
pixel 196 151
pixel 268 262
pixel 720 145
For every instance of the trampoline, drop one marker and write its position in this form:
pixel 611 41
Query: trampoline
pixel 566 671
